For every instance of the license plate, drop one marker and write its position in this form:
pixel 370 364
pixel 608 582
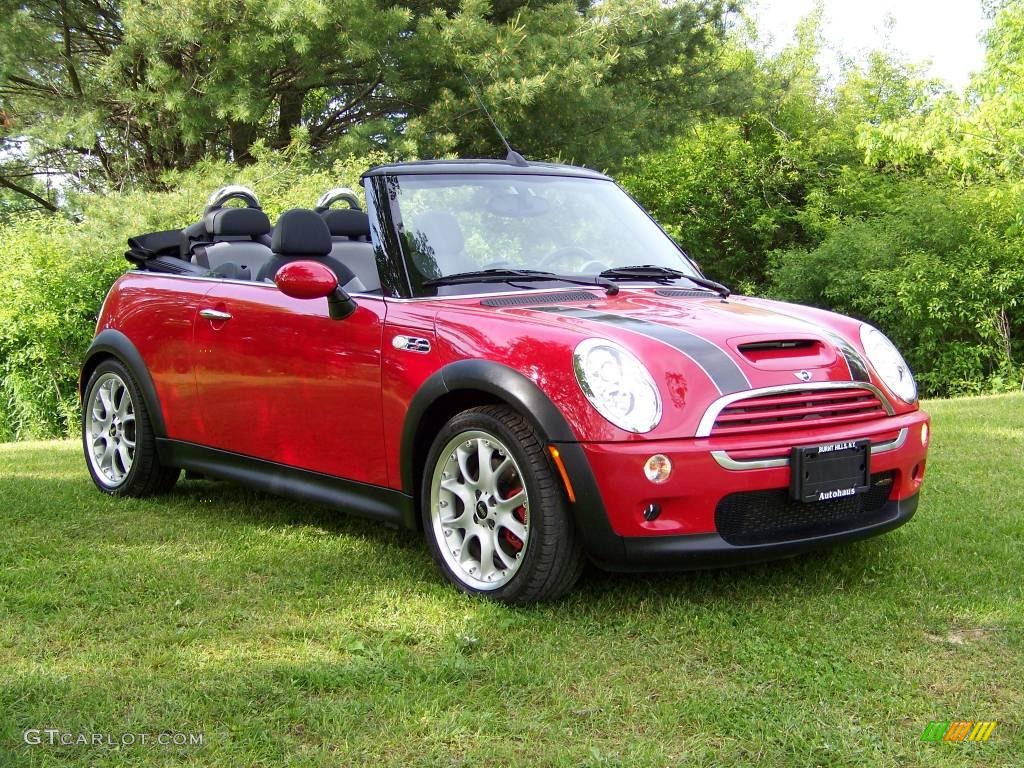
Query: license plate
pixel 830 471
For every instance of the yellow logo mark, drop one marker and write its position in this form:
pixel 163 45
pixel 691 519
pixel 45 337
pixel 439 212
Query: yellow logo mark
pixel 958 730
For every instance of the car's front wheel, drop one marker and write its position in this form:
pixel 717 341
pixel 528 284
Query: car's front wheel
pixel 493 512
pixel 117 436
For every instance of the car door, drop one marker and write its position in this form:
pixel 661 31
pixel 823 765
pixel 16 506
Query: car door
pixel 278 379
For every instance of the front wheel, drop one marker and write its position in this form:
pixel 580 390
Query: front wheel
pixel 493 512
pixel 117 436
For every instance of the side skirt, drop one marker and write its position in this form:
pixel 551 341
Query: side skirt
pixel 373 501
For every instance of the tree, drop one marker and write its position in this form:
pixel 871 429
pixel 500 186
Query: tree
pixel 116 92
pixel 976 135
pixel 787 166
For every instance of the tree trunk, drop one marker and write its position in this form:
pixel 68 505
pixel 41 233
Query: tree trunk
pixel 290 107
pixel 242 136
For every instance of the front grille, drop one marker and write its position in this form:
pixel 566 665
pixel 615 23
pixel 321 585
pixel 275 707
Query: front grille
pixel 798 410
pixel 767 517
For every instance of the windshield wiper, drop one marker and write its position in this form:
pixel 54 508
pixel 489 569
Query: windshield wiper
pixel 519 275
pixel 658 274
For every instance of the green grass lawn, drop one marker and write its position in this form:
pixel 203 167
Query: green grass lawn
pixel 290 635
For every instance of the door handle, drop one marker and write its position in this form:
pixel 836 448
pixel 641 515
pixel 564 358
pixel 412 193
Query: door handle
pixel 214 314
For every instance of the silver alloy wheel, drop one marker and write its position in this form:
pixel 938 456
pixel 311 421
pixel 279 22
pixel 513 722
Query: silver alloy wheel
pixel 480 510
pixel 110 430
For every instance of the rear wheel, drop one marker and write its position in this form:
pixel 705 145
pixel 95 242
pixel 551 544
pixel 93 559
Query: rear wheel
pixel 493 513
pixel 117 436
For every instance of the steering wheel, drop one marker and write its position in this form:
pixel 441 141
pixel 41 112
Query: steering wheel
pixel 590 266
pixel 569 251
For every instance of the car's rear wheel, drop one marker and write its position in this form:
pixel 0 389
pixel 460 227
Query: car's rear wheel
pixel 493 512
pixel 117 436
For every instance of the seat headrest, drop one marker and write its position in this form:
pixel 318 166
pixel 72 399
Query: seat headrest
pixel 347 223
pixel 301 232
pixel 236 222
pixel 442 233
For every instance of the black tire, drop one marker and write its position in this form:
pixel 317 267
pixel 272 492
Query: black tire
pixel 550 559
pixel 145 476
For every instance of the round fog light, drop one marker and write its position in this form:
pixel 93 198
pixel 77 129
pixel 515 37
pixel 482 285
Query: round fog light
pixel 658 468
pixel 924 433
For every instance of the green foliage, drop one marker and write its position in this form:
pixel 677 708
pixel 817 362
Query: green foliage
pixel 782 172
pixel 120 91
pixel 56 273
pixel 973 136
pixel 721 193
pixel 885 195
pixel 941 272
pixel 588 87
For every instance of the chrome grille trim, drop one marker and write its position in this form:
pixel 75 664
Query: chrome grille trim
pixel 707 421
pixel 728 462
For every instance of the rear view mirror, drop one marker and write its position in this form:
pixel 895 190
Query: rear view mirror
pixel 313 280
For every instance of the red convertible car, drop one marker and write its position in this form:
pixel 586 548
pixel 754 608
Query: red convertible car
pixel 512 357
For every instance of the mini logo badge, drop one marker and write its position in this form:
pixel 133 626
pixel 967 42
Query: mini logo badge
pixel 803 375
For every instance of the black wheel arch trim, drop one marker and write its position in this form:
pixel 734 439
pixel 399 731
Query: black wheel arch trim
pixel 512 387
pixel 112 343
pixel 494 379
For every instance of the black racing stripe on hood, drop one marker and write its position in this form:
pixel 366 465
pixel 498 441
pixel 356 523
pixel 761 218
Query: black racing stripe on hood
pixel 723 371
pixel 854 361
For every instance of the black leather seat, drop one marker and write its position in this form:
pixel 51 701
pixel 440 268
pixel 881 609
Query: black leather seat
pixel 237 244
pixel 300 234
pixel 350 244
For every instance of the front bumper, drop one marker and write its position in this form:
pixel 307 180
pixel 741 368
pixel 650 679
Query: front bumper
pixel 612 493
pixel 709 550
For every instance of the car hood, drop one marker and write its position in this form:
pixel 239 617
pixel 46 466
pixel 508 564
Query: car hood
pixel 698 347
pixel 739 344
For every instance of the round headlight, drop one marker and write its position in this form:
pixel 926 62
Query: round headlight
pixel 888 363
pixel 617 384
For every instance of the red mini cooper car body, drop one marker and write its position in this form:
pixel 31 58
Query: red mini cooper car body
pixel 512 357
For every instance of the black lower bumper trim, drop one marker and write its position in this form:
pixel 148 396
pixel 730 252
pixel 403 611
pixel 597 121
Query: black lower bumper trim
pixel 709 550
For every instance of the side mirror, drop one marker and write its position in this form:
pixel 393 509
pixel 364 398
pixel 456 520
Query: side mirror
pixel 312 280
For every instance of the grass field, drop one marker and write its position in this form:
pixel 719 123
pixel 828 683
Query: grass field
pixel 293 636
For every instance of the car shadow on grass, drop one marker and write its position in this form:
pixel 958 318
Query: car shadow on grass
pixel 856 565
pixel 234 504
pixel 226 508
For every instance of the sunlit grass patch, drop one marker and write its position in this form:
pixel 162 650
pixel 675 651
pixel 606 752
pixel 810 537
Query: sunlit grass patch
pixel 293 635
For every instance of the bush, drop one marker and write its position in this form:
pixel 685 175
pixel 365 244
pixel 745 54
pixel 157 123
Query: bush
pixel 941 273
pixel 720 192
pixel 56 272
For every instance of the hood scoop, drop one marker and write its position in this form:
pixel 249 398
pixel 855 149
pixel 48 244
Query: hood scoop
pixel 784 354
pixel 534 299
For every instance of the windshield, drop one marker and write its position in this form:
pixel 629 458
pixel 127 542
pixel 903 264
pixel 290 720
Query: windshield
pixel 571 226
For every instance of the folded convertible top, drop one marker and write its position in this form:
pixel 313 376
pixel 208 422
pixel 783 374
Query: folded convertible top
pixel 159 252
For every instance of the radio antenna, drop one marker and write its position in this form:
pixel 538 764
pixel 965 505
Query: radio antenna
pixel 512 155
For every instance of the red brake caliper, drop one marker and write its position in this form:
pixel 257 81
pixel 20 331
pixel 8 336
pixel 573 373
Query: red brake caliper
pixel 519 514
